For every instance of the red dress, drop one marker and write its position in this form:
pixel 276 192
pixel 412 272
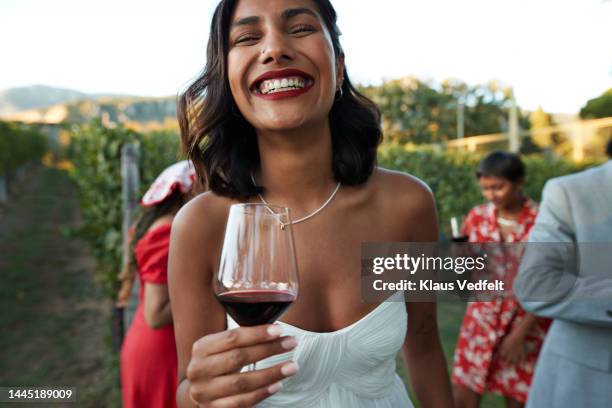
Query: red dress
pixel 477 365
pixel 148 357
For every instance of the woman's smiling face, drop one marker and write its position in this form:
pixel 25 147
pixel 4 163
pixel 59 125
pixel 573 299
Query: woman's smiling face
pixel 282 69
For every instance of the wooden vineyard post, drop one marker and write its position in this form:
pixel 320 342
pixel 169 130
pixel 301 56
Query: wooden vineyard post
pixel 130 188
pixel 514 138
pixel 3 189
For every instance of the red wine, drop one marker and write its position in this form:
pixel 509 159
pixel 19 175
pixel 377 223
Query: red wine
pixel 461 238
pixel 254 307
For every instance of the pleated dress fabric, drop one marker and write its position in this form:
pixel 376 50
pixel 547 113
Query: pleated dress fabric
pixel 352 367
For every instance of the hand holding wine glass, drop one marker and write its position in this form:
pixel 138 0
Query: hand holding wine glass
pixel 216 359
pixel 256 283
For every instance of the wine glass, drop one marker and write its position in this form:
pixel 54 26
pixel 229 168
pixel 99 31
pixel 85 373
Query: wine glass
pixel 257 280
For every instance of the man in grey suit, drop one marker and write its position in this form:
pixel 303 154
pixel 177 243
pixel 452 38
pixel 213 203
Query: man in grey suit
pixel 566 274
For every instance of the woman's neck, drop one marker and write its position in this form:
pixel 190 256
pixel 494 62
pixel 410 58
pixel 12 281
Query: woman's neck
pixel 296 167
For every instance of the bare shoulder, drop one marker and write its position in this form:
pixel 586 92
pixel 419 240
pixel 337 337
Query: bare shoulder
pixel 200 224
pixel 406 199
pixel 402 189
pixel 204 212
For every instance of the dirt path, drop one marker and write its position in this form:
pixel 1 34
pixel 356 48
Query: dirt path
pixel 54 320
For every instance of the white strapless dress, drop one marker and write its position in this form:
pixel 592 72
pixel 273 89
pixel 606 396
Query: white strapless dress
pixel 350 368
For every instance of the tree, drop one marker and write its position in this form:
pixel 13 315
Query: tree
pixel 423 112
pixel 600 107
pixel 410 109
pixel 540 121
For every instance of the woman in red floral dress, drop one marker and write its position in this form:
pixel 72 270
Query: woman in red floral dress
pixel 148 354
pixel 499 342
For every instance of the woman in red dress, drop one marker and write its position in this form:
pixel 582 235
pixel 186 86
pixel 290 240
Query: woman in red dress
pixel 499 342
pixel 148 354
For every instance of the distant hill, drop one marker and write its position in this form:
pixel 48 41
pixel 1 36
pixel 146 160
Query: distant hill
pixel 15 100
pixel 55 105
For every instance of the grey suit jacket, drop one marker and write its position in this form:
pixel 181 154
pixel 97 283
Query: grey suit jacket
pixel 574 288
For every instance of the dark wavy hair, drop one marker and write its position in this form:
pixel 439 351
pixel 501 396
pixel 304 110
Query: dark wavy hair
pixel 502 164
pixel 222 144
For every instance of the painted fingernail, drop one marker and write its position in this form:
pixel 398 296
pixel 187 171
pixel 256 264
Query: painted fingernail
pixel 275 330
pixel 274 388
pixel 289 343
pixel 289 369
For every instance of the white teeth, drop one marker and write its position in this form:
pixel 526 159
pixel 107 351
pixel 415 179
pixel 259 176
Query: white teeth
pixel 281 84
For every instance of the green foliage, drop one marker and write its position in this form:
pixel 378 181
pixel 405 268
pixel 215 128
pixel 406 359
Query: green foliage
pixel 541 168
pixel 95 152
pixel 452 176
pixel 422 112
pixel 158 150
pixel 19 144
pixel 600 107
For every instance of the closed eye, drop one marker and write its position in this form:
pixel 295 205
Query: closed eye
pixel 246 39
pixel 302 29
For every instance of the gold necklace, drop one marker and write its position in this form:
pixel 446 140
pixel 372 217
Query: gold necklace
pixel 308 216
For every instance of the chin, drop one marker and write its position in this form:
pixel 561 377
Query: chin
pixel 284 121
pixel 282 126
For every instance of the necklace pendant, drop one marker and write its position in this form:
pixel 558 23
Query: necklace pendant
pixel 312 214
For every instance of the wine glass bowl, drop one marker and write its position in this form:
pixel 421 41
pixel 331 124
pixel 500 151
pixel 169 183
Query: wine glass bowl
pixel 257 278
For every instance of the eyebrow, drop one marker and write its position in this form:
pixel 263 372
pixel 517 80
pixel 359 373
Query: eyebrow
pixel 286 15
pixel 246 21
pixel 290 13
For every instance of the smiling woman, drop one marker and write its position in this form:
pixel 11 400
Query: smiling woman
pixel 274 118
pixel 243 69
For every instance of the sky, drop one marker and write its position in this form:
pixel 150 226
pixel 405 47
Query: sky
pixel 554 53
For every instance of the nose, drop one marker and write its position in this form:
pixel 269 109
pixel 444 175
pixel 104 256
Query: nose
pixel 276 49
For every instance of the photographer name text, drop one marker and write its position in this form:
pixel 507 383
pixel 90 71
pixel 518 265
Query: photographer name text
pixel 431 285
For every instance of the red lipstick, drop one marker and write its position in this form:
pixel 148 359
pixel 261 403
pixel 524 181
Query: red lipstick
pixel 283 73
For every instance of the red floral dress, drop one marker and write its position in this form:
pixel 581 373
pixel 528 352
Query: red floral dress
pixel 148 357
pixel 477 365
